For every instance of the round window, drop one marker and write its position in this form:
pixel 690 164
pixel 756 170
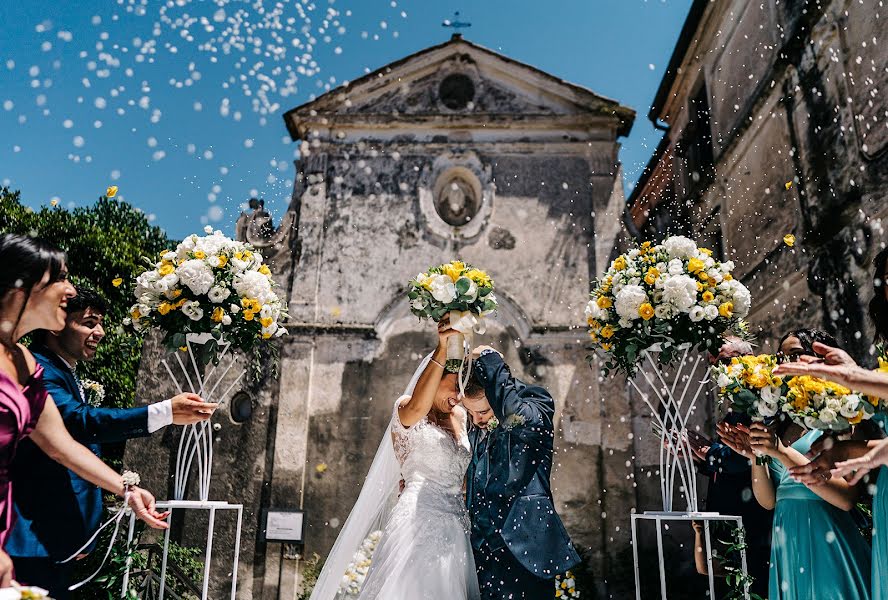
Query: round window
pixel 241 407
pixel 456 91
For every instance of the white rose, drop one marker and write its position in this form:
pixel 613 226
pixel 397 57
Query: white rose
pixel 710 312
pixel 676 267
pixel 680 291
pixel 828 416
pixel 593 311
pixel 722 380
pixel 418 304
pixel 218 294
pixel 197 275
pixel 696 313
pixel 680 247
pixel 628 300
pixel 851 406
pixel 443 289
pixel 226 319
pixel 192 310
pixel 633 253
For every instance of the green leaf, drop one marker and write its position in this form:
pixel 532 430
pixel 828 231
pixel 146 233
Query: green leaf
pixel 462 285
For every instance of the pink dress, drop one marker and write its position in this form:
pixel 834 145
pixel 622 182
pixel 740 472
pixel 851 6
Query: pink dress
pixel 19 411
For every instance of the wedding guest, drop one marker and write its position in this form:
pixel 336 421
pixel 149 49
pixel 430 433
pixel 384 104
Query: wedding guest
pixel 730 485
pixel 57 511
pixel 34 291
pixel 856 458
pixel 816 544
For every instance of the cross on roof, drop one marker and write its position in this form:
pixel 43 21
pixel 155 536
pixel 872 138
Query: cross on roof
pixel 455 23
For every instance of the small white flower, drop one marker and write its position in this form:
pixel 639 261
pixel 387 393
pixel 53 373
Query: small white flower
pixel 192 310
pixel 443 289
pixel 710 312
pixel 208 229
pixel 418 304
pixel 226 319
pixel 851 406
pixel 280 332
pixel 218 294
pixel 828 416
pixel 697 314
pixel 234 308
pixel 663 311
pixel 169 256
pixel 722 380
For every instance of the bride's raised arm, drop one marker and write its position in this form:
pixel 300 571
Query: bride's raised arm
pixel 420 403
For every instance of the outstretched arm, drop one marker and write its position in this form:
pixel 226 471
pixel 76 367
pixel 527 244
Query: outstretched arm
pixel 420 403
pixel 507 396
pixel 837 366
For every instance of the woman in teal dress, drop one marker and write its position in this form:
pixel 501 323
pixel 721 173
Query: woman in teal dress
pixel 817 552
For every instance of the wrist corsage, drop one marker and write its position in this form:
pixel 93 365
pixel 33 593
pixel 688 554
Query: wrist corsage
pixel 130 479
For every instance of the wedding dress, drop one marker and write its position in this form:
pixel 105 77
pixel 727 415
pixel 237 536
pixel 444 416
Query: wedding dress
pixel 412 547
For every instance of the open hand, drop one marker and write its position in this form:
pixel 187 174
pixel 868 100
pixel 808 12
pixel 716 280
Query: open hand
pixel 832 363
pixel 700 445
pixel 142 503
pixel 476 353
pixel 762 438
pixel 823 454
pixel 735 439
pixel 876 457
pixel 5 570
pixel 190 408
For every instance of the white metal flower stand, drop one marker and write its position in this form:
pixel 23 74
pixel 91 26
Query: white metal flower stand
pixel 196 442
pixel 675 396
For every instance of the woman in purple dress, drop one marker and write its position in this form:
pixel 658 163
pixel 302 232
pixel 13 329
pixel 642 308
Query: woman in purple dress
pixel 34 291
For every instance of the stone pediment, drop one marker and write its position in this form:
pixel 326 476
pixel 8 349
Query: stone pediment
pixel 459 81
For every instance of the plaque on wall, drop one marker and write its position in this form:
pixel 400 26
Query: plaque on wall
pixel 282 525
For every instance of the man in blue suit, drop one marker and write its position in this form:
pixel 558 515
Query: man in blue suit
pixel 56 510
pixel 518 540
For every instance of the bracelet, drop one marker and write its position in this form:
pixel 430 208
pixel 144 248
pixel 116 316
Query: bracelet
pixel 437 363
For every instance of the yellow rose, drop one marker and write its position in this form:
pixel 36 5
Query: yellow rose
pixel 177 293
pixel 695 265
pixel 135 314
pixel 727 277
pixel 593 323
pixel 247 255
pixel 705 251
pixel 166 269
pixel 699 287
pixel 604 302
pixel 239 255
pixel 607 347
pixel 454 269
pixel 856 418
pixel 248 315
pixel 164 308
pixel 199 254
pixel 266 335
pixel 265 270
pixel 218 314
pixel 266 321
pixel 607 332
pixel 619 263
pixel 117 281
pixel 479 277
pixel 111 191
pixel 652 276
pixel 223 260
pixel 646 311
pixel 789 240
pixel 708 296
pixel 726 310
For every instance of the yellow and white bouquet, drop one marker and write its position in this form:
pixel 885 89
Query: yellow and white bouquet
pixel 24 592
pixel 357 570
pixel 664 296
pixel 566 586
pixel 459 290
pixel 882 357
pixel 750 385
pixel 819 404
pixel 209 284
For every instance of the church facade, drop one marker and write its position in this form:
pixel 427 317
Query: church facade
pixel 453 152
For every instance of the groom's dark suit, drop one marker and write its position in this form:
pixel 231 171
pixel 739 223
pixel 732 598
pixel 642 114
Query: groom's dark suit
pixel 519 541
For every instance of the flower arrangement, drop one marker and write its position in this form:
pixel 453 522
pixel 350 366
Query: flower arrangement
pixel 882 357
pixel 748 382
pixel 357 570
pixel 819 404
pixel 457 289
pixel 209 284
pixel 665 296
pixel 566 586
pixel 93 391
pixel 24 592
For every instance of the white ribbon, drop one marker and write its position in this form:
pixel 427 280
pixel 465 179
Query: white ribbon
pixel 467 324
pixel 116 519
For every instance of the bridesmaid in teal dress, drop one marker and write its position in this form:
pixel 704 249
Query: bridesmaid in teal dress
pixel 880 531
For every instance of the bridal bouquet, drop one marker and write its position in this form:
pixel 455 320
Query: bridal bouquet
pixel 819 404
pixel 23 592
pixel 357 570
pixel 750 385
pixel 566 586
pixel 457 289
pixel 665 296
pixel 209 284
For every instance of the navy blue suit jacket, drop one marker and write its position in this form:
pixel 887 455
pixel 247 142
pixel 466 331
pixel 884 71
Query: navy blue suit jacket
pixel 56 510
pixel 508 492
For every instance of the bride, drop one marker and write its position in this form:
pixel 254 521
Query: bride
pixel 424 549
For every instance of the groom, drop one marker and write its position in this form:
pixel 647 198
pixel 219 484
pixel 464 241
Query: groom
pixel 518 540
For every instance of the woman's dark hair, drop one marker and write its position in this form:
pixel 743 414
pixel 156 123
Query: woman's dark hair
pixel 878 306
pixel 25 260
pixel 807 337
pixel 85 298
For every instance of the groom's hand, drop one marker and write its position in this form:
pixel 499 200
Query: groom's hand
pixel 476 353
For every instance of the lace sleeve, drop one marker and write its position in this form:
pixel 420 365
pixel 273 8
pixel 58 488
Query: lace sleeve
pixel 397 426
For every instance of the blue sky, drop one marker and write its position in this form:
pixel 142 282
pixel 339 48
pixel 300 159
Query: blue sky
pixel 179 102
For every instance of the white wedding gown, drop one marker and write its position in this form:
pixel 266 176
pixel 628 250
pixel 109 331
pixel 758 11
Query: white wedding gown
pixel 424 552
